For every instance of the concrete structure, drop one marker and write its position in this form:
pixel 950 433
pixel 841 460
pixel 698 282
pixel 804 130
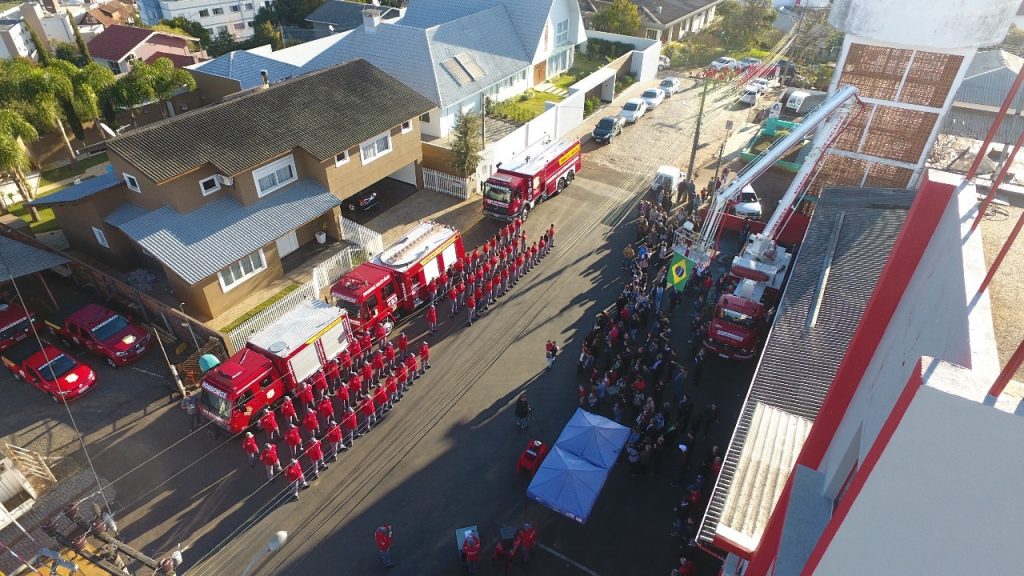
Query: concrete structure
pixel 456 53
pixel 15 23
pixel 664 20
pixel 232 16
pixel 15 40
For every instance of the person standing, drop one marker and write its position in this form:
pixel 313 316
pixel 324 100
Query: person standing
pixel 293 438
pixel 470 309
pixel 403 345
pixel 269 458
pixel 268 422
pixel 325 409
pixel 382 537
pixel 305 394
pixel 551 237
pixel 251 448
pixel 708 417
pixel 424 357
pixel 315 453
pixel 190 404
pixel 389 356
pixel 288 409
pixel 333 438
pixel 294 475
pixel 310 422
pixel 529 540
pixel 523 410
pixel 402 377
pixel 410 366
pixel 391 387
pixel 369 412
pixel 432 318
pixel 471 549
pixel 552 353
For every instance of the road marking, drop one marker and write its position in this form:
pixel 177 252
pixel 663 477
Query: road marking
pixel 154 374
pixel 567 559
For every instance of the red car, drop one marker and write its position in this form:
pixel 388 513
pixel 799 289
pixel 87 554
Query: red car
pixel 102 331
pixel 50 369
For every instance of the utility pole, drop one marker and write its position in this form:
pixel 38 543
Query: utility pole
pixel 696 132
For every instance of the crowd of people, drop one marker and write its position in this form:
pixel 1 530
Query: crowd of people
pixel 635 368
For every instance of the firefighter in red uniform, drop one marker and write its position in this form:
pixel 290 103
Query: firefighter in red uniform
pixel 315 453
pixel 252 449
pixel 325 409
pixel 402 377
pixel 369 412
pixel 305 394
pixel 481 303
pixel 458 267
pixel 320 383
pixel 391 386
pixel 542 247
pixel 424 357
pixel 294 475
pixel 529 539
pixel 471 548
pixel 453 301
pixel 293 439
pixel 520 268
pixel 269 458
pixel 403 344
pixel 431 319
pixel 378 365
pixel 333 375
pixel 686 568
pixel 442 281
pixel 382 538
pixel 355 350
pixel 410 365
pixel 380 400
pixel 551 237
pixel 366 343
pixel 478 278
pixel 431 291
pixel 310 423
pixel 355 388
pixel 470 310
pixel 504 280
pixel 342 394
pixel 389 356
pixel 288 409
pixel 333 437
pixel 460 291
pixel 349 426
pixel 268 422
pixel 345 361
pixel 367 375
pixel 380 334
pixel 488 293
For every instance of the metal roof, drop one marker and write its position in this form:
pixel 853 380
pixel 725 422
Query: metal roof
pixel 416 245
pixel 198 244
pixel 297 325
pixel 985 86
pixel 18 259
pixel 344 15
pixel 852 232
pixel 245 67
pixel 124 213
pixel 670 10
pixel 83 189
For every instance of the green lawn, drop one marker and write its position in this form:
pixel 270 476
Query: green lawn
pixel 46 222
pixel 261 306
pixel 523 110
pixel 585 64
pixel 50 177
pixel 563 81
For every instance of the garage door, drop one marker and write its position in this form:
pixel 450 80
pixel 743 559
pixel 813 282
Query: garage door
pixel 406 174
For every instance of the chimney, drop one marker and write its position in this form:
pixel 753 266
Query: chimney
pixel 371 19
pixel 658 10
pixel 266 78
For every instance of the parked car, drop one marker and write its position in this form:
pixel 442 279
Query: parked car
pixel 664 63
pixel 608 128
pixel 763 84
pixel 633 109
pixel 748 205
pixel 667 177
pixel 722 63
pixel 750 95
pixel 363 201
pixel 50 369
pixel 653 97
pixel 670 85
pixel 747 62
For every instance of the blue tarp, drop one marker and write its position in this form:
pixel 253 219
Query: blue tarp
pixel 573 473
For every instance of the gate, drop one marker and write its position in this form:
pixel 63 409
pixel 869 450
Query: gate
pixel 445 183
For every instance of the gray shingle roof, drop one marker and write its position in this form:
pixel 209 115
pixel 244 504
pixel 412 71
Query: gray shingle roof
pixel 346 15
pixel 671 10
pixel 83 189
pixel 18 259
pixel 200 243
pixel 245 67
pixel 797 384
pixel 323 113
pixel 988 80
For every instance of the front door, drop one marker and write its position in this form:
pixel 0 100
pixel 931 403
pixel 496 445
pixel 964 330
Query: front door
pixel 287 244
pixel 540 71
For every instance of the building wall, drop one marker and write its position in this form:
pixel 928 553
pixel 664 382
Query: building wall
pixel 182 193
pixel 57 28
pixel 213 22
pixel 16 42
pixel 354 176
pixel 213 89
pixel 78 219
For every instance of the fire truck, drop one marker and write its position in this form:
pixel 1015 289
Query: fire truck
pixel 272 363
pixel 759 271
pixel 395 282
pixel 538 173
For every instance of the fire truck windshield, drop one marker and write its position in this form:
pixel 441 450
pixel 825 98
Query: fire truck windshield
pixel 13 328
pixel 352 308
pixel 736 317
pixel 498 192
pixel 217 406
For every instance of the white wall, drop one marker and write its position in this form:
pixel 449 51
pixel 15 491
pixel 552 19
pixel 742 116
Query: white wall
pixel 190 9
pixel 57 28
pixel 560 10
pixel 644 64
pixel 16 42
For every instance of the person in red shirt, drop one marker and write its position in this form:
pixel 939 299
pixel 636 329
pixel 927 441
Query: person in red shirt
pixel 369 412
pixel 488 293
pixel 367 374
pixel 345 361
pixel 460 290
pixel 325 408
pixel 442 280
pixel 410 365
pixel 480 301
pixel 529 539
pixel 432 319
pixel 380 333
pixel 366 343
pixel 310 422
pixel 551 237
pixel 453 301
pixel 522 242
pixel 380 400
pixel 686 568
pixel 520 268
pixel 269 458
pixel 288 409
pixel 293 439
pixel 389 356
pixel 403 344
pixel 251 448
pixel 319 383
pixel 431 292
pixel 349 426
pixel 471 548
pixel 382 538
pixel 342 394
pixel 305 394
pixel 532 260
pixel 378 365
pixel 269 424
pixel 478 277
pixel 458 267
pixel 424 357
pixel 504 280
pixel 355 350
pixel 333 375
pixel 542 247
pixel 333 438
pixel 391 386
pixel 470 310
pixel 315 453
pixel 402 377
pixel 355 388
pixel 294 475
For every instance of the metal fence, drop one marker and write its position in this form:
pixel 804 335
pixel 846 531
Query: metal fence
pixel 369 240
pixel 446 183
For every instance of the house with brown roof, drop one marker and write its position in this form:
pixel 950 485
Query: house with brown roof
pixel 111 13
pixel 216 198
pixel 118 45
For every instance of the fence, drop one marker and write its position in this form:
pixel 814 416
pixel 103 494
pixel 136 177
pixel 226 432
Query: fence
pixel 370 241
pixel 446 183
pixel 324 274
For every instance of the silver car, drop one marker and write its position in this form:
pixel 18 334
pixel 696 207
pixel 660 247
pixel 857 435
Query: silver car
pixel 670 85
pixel 748 205
pixel 633 109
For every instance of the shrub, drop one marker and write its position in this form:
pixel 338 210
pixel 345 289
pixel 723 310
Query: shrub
pixel 590 105
pixel 625 82
pixel 599 48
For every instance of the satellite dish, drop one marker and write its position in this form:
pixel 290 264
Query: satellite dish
pixel 278 347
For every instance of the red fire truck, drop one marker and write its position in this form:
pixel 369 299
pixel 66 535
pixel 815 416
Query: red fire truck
pixel 538 173
pixel 394 282
pixel 274 361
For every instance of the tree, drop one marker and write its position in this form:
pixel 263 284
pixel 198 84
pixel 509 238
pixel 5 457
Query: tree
pixel 466 144
pixel 131 91
pixel 266 14
pixel 221 44
pixel 67 52
pixel 622 17
pixel 13 158
pixel 265 33
pixel 189 28
pixel 745 23
pixel 164 78
pixel 42 50
pixel 83 47
pixel 294 12
pixel 44 93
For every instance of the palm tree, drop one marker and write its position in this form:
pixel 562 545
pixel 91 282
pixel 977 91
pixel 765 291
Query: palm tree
pixel 131 91
pixel 41 91
pixel 88 83
pixel 13 158
pixel 165 78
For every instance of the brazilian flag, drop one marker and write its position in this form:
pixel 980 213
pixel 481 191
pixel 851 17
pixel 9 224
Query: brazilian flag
pixel 679 272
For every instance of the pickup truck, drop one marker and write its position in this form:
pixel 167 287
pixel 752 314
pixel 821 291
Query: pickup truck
pixel 49 369
pixel 102 331
pixel 15 324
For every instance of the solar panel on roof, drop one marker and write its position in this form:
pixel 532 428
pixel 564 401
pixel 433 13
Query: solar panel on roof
pixel 458 73
pixel 470 65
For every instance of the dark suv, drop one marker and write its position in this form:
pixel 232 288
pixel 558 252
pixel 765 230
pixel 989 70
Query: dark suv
pixel 607 128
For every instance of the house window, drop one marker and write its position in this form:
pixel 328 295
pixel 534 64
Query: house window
pixel 209 185
pixel 373 149
pixel 114 67
pixel 406 126
pixel 204 13
pixel 242 270
pixel 249 23
pixel 235 8
pixel 222 30
pixel 218 11
pixel 562 32
pixel 239 26
pixel 131 182
pixel 101 238
pixel 341 159
pixel 248 5
pixel 425 117
pixel 274 175
pixel 652 34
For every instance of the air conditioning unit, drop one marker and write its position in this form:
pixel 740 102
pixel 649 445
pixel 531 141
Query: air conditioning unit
pixel 226 180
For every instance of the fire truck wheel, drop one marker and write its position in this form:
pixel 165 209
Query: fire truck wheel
pixel 526 213
pixel 561 186
pixel 569 177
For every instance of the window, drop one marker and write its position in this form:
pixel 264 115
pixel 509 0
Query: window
pixel 204 13
pixel 375 148
pixel 652 34
pixel 235 8
pixel 406 126
pixel 425 117
pixel 209 185
pixel 114 67
pixel 242 270
pixel 274 175
pixel 221 30
pixel 562 32
pixel 131 182
pixel 341 159
pixel 239 26
pixel 248 5
pixel 249 23
pixel 101 238
pixel 218 11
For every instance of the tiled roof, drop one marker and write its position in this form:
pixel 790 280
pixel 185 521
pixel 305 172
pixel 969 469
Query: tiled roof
pixel 323 113
pixel 346 15
pixel 76 192
pixel 18 259
pixel 671 10
pixel 202 242
pixel 245 67
pixel 869 221
pixel 117 41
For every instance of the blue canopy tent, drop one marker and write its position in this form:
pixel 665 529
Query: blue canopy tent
pixel 573 473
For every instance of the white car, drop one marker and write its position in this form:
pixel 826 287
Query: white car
pixel 653 97
pixel 722 63
pixel 747 63
pixel 750 95
pixel 670 85
pixel 748 205
pixel 633 109
pixel 664 63
pixel 762 84
pixel 667 176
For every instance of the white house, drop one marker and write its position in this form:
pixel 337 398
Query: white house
pixel 454 52
pixel 232 16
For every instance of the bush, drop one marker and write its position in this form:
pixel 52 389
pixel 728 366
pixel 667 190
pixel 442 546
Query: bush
pixel 599 48
pixel 590 105
pixel 511 111
pixel 624 82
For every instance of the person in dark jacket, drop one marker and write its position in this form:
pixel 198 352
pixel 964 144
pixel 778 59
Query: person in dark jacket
pixel 523 411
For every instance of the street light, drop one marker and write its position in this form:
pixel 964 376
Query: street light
pixel 275 543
